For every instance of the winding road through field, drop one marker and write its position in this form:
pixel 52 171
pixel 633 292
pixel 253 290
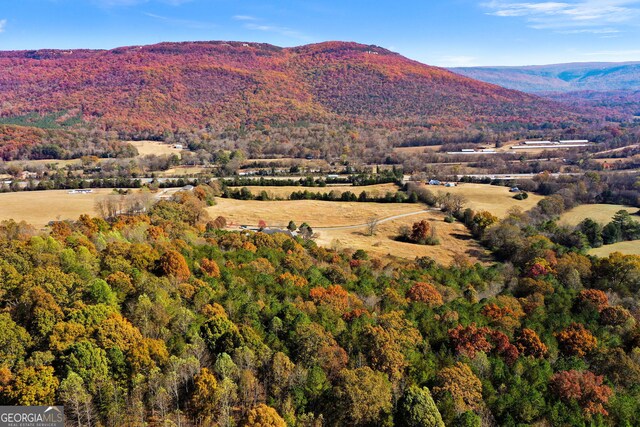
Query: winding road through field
pixel 380 221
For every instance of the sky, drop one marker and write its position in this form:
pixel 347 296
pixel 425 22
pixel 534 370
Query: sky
pixel 445 33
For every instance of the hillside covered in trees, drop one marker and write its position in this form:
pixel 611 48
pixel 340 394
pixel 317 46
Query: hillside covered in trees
pixel 184 86
pixel 162 318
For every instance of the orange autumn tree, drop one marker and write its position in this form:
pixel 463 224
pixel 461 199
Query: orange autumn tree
pixel 425 293
pixel 585 388
pixel 530 344
pixel 576 340
pixel 209 267
pixel 334 296
pixel 173 264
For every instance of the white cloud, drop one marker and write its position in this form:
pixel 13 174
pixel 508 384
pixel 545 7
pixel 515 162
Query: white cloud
pixel 589 15
pixel 3 25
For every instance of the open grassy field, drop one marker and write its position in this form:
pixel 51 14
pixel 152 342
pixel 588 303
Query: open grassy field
pixel 40 207
pixel 495 199
pixel 324 216
pixel 454 239
pixel 628 248
pixel 154 147
pixel 285 192
pixel 600 213
pixel 316 213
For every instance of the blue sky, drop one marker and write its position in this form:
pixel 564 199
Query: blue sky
pixel 438 32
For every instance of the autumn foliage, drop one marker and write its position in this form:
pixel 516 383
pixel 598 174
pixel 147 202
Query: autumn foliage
pixel 576 340
pixel 209 267
pixel 171 86
pixel 463 386
pixel 530 344
pixel 425 293
pixel 585 388
pixel 593 298
pixel 173 264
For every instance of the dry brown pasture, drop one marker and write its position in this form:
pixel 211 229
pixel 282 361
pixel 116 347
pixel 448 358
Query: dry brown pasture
pixel 495 199
pixel 316 213
pixel 454 238
pixel 39 207
pixel 628 248
pixel 154 147
pixel 285 192
pixel 599 213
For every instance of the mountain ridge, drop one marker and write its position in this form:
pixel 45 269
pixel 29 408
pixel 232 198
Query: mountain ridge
pixel 569 77
pixel 169 86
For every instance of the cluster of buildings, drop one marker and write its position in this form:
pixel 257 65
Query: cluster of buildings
pixel 555 145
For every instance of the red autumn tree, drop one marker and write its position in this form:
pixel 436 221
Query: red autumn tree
pixel 593 298
pixel 420 231
pixel 503 347
pixel 585 388
pixel 469 340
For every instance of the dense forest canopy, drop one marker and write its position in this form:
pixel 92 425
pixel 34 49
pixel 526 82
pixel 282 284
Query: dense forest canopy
pixel 180 86
pixel 164 318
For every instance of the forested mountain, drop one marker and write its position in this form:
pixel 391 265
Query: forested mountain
pixel 170 86
pixel 609 85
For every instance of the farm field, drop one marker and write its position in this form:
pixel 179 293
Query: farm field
pixel 495 199
pixel 326 218
pixel 154 147
pixel 628 248
pixel 454 240
pixel 285 192
pixel 39 207
pixel 601 213
pixel 316 213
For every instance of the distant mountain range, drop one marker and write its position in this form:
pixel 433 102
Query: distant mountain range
pixel 171 86
pixel 614 86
